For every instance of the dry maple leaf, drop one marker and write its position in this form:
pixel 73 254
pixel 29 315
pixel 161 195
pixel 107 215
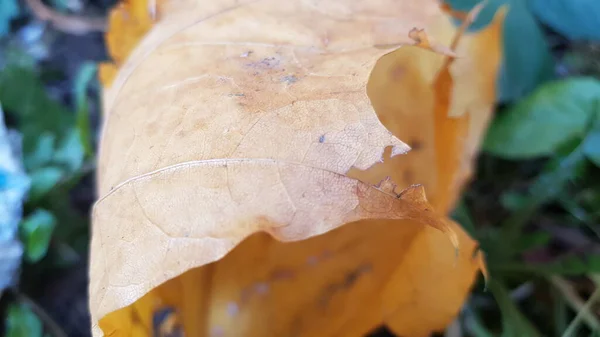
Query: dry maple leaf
pixel 235 122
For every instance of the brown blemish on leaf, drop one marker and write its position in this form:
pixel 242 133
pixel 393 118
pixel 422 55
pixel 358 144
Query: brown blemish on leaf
pixel 290 79
pixel 265 63
pixel 397 73
pixel 415 145
pixel 282 274
pixel 350 278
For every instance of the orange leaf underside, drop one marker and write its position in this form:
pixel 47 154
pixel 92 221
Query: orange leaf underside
pixel 348 280
pixel 128 22
pixel 342 295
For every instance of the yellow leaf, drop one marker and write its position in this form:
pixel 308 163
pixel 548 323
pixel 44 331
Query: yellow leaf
pixel 240 174
pixel 129 21
pixel 440 108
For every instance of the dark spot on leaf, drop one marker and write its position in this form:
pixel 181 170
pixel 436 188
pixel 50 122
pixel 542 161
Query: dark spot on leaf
pixel 415 145
pixel 270 61
pixel 282 274
pixel 233 309
pixel 261 288
pixel 349 280
pixel 312 260
pixel 322 139
pixel 246 295
pixel 398 73
pixel 289 79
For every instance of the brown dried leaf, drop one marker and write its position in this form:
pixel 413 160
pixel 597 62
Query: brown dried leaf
pixel 231 119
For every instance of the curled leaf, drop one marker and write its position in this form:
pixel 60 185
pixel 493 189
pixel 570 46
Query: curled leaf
pixel 237 175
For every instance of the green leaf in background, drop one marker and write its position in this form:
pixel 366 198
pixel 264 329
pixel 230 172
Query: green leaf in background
pixel 514 323
pixel 556 176
pixel 36 231
pixel 591 147
pixel 483 18
pixel 39 118
pixel 536 126
pixel 530 241
pixel 49 134
pixel 61 6
pixel 547 186
pixel 575 19
pixel 527 58
pixel 41 155
pixel 24 96
pixel 42 181
pixel 9 9
pixel 527 61
pixel 22 322
pixel 82 81
pixel 512 200
pixel 591 143
pixel 71 152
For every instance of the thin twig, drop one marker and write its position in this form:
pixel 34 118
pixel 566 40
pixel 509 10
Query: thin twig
pixel 576 303
pixel 54 329
pixel 584 311
pixel 72 24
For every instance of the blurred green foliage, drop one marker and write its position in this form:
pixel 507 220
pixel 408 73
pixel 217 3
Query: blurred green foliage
pixel 36 231
pixel 9 9
pixel 84 78
pixel 542 159
pixel 57 153
pixel 48 127
pixel 556 113
pixel 513 321
pixel 22 322
pixel 575 19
